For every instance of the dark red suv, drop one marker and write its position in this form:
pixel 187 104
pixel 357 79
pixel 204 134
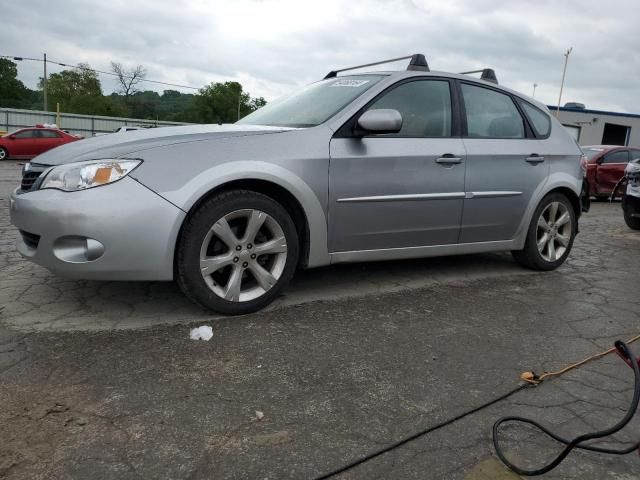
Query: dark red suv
pixel 29 142
pixel 605 167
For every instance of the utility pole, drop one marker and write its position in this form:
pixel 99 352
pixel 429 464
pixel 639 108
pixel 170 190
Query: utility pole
pixel 564 71
pixel 533 95
pixel 44 82
pixel 239 98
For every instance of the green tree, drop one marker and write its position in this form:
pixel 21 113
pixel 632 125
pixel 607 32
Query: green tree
pixel 13 93
pixel 78 91
pixel 222 103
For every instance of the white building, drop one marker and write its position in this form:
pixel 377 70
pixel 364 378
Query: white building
pixel 597 127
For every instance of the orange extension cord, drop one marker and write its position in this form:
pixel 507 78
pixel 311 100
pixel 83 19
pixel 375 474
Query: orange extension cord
pixel 531 377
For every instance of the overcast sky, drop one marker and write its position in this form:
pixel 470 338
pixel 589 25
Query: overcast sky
pixel 272 46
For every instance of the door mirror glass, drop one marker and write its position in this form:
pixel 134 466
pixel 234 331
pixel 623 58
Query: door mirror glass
pixel 384 120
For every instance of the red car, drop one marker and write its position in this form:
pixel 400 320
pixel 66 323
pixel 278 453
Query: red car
pixel 29 142
pixel 605 167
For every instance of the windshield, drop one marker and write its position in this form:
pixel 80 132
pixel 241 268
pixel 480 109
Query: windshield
pixel 314 104
pixel 591 153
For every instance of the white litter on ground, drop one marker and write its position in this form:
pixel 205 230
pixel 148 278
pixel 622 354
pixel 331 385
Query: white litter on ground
pixel 201 333
pixel 259 415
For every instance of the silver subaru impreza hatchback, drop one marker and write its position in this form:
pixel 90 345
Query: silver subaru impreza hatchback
pixel 359 167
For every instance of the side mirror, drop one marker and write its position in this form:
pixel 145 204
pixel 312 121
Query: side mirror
pixel 385 120
pixel 12 137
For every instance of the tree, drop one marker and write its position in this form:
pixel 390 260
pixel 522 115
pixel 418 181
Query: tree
pixel 13 93
pixel 128 79
pixel 78 91
pixel 223 103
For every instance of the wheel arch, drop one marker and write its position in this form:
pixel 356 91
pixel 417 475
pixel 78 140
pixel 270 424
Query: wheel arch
pixel 557 183
pixel 273 190
pixel 571 195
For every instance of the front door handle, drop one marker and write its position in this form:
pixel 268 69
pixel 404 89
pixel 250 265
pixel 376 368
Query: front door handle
pixel 534 158
pixel 448 159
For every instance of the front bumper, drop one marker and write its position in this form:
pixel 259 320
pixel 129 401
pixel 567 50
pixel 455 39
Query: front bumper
pixel 122 231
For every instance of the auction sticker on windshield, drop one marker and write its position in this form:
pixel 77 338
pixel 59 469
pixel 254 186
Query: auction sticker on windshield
pixel 349 83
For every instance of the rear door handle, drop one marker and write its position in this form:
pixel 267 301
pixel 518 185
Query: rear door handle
pixel 534 158
pixel 448 160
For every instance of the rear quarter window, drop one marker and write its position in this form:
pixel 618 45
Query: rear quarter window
pixel 539 119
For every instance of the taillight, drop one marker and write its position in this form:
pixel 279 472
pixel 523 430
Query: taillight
pixel 583 165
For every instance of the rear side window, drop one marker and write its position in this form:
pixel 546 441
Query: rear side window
pixel 491 114
pixel 540 120
pixel 49 134
pixel 621 156
pixel 425 106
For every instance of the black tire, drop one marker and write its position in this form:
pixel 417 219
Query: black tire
pixel 4 154
pixel 632 222
pixel 631 205
pixel 530 256
pixel 194 233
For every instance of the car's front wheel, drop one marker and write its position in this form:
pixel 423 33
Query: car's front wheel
pixel 3 153
pixel 237 252
pixel 551 234
pixel 631 210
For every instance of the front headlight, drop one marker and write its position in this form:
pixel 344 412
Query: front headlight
pixel 71 177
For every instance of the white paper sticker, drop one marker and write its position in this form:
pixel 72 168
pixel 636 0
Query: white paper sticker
pixel 348 83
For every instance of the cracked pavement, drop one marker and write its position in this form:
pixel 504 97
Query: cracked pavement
pixel 100 380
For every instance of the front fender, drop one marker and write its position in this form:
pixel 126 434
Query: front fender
pixel 189 193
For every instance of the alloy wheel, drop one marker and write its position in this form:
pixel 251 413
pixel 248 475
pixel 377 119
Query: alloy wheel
pixel 554 231
pixel 243 255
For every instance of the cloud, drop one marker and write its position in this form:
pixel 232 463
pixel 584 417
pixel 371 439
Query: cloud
pixel 272 46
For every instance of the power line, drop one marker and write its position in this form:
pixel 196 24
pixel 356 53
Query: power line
pixel 97 71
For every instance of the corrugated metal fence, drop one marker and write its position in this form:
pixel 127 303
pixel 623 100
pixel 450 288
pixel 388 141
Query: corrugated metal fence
pixel 85 125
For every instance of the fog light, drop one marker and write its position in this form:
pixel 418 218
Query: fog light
pixel 76 249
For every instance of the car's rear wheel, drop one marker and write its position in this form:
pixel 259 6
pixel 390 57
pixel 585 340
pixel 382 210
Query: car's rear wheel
pixel 237 252
pixel 551 234
pixel 3 153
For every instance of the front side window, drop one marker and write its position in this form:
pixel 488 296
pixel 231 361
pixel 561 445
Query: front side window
pixel 314 104
pixel 621 156
pixel 26 134
pixel 425 106
pixel 540 120
pixel 491 114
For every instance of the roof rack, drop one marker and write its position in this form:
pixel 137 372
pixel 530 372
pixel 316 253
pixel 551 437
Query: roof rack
pixel 487 74
pixel 418 62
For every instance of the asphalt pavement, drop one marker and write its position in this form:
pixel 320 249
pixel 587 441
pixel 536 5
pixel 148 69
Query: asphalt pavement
pixel 100 379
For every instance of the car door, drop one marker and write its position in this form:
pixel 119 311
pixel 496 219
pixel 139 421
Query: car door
pixel 22 143
pixel 48 140
pixel 505 164
pixel 610 170
pixel 399 190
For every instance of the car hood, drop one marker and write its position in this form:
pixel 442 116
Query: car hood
pixel 115 145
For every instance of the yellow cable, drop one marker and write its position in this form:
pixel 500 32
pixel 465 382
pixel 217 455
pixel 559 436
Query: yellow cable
pixel 534 379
